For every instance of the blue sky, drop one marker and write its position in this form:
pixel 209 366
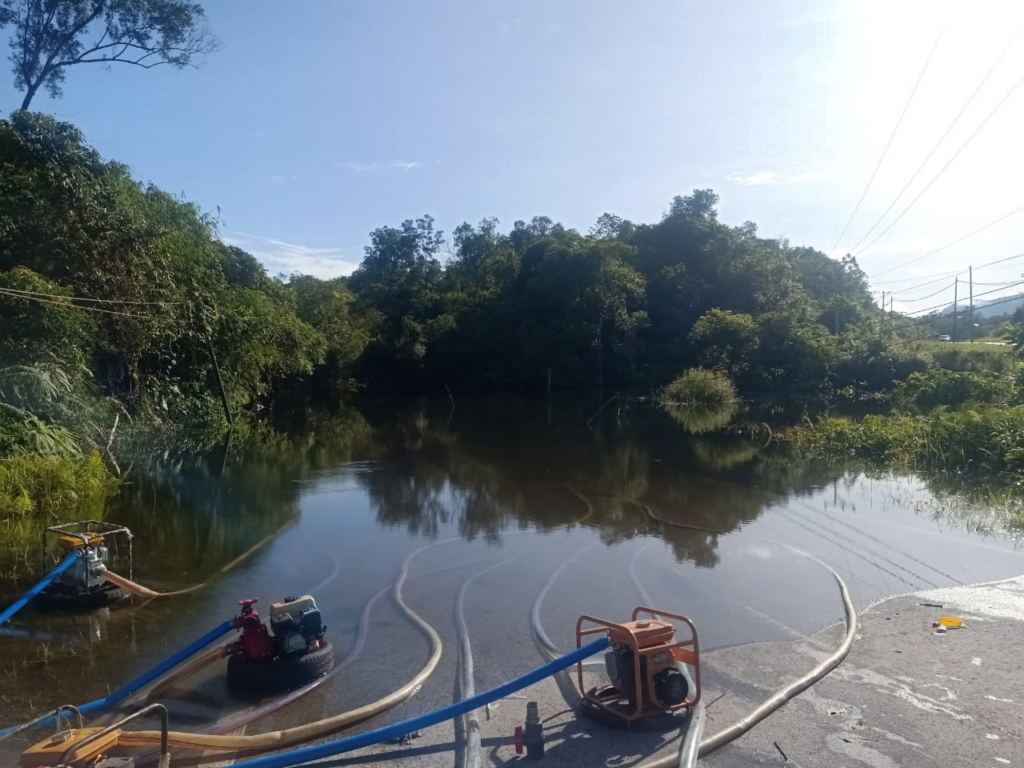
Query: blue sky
pixel 319 121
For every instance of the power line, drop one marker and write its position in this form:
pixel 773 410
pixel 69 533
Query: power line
pixel 949 162
pixel 946 287
pixel 940 276
pixel 942 138
pixel 986 323
pixel 930 335
pixel 100 301
pixel 954 242
pixel 1000 261
pixel 892 136
pixel 937 275
pixel 983 293
pixel 930 282
pixel 5 292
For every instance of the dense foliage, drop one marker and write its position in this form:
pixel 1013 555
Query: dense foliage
pixel 985 443
pixel 123 312
pixel 700 388
pixel 626 305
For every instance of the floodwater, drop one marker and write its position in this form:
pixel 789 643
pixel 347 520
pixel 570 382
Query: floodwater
pixel 536 492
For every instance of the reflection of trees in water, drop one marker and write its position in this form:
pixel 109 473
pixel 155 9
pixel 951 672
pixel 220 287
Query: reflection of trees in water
pixel 698 421
pixel 200 510
pixel 498 463
pixel 494 465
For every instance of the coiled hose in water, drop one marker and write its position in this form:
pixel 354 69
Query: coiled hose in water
pixel 689 747
pixel 145 592
pixel 357 646
pixel 300 734
pixel 787 692
pixel 773 702
pixel 281 739
pixel 468 686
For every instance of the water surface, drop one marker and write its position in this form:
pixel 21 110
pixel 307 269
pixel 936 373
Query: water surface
pixel 524 484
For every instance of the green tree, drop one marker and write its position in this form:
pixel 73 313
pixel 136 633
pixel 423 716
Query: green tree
pixel 725 339
pixel 49 36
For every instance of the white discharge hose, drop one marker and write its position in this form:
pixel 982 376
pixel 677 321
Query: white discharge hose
pixel 791 691
pixel 468 686
pixel 689 747
pixel 766 708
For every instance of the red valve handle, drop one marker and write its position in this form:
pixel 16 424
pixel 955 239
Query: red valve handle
pixel 518 738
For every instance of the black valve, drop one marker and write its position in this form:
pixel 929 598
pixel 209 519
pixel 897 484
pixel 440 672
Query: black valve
pixel 533 737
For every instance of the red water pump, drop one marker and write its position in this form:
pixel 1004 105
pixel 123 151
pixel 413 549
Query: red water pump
pixel 255 644
pixel 290 652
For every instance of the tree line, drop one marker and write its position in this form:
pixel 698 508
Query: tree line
pixel 131 292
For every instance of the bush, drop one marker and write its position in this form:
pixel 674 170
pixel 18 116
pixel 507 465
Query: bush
pixel 978 358
pixel 874 366
pixel 983 443
pixel 702 388
pixel 39 491
pixel 23 433
pixel 922 392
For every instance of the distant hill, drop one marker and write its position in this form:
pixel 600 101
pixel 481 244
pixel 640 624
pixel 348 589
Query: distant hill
pixel 1004 305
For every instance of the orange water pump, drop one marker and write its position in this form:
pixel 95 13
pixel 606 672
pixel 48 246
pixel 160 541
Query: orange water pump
pixel 644 667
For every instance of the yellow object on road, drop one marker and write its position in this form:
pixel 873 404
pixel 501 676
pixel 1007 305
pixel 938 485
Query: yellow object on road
pixel 952 622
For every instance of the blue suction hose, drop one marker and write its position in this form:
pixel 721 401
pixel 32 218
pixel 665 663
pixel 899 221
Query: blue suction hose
pixel 22 601
pixel 319 751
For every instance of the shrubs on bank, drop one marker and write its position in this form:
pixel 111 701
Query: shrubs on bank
pixel 984 442
pixel 700 388
pixel 37 491
pixel 923 392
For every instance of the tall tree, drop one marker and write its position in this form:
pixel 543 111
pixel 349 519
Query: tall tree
pixel 51 35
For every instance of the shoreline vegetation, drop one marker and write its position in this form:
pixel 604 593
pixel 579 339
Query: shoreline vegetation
pixel 128 325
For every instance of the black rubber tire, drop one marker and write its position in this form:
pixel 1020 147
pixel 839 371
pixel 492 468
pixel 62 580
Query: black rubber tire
pixel 248 677
pixel 65 600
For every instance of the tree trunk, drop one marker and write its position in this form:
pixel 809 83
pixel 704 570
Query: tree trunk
pixel 30 94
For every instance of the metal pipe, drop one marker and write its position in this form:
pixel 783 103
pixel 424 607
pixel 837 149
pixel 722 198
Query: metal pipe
pixel 22 601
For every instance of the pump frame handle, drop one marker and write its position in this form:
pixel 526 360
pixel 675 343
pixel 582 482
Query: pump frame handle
pixel 158 708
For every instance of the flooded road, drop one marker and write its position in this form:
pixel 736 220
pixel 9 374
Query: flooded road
pixel 713 527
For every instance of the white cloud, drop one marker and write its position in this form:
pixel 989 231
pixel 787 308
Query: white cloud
pixel 379 166
pixel 762 178
pixel 280 257
pixel 278 179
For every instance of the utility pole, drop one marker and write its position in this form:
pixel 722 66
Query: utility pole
pixel 835 296
pixel 970 316
pixel 890 315
pixel 881 323
pixel 956 287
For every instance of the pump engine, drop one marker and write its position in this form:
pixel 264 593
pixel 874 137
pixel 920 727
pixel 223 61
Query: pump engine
pixel 87 571
pixel 296 624
pixel 644 666
pixel 83 585
pixel 290 651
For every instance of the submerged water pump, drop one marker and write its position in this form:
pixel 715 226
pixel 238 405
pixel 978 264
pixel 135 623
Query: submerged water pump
pixel 84 585
pixel 644 667
pixel 290 652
